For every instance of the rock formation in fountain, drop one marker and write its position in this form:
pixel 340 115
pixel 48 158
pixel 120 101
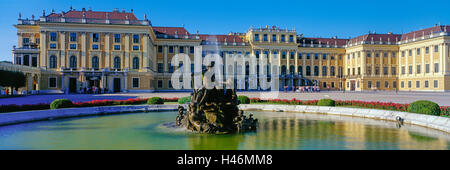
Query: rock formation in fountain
pixel 214 111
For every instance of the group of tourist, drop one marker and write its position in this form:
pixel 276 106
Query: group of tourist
pixel 93 90
pixel 303 89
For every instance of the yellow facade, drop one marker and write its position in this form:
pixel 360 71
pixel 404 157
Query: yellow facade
pixel 116 52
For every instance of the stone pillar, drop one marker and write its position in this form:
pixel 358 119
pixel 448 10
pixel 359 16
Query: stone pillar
pixel 373 63
pixel 414 67
pixel 103 83
pixel 432 60
pixel 19 40
pixel 83 51
pixel 125 79
pixel 390 64
pixel 296 62
pixel 127 51
pixel 166 65
pixel 62 60
pixel 320 65
pixel 63 85
pixel 43 48
pixel 422 69
pixel 381 64
pixel 29 82
pixel 445 63
pixel 363 64
pixel 107 50
pixel 145 64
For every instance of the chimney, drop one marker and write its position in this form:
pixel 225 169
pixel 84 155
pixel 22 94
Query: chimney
pixel 123 10
pixel 390 33
pixel 83 9
pixel 131 10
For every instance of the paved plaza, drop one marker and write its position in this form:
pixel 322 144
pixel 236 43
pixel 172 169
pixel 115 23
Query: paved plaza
pixel 442 98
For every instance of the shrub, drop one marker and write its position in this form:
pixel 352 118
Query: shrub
pixel 184 100
pixel 61 103
pixel 325 102
pixel 424 107
pixel 155 100
pixel 244 100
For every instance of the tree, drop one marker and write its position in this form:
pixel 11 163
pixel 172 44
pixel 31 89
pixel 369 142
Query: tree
pixel 12 79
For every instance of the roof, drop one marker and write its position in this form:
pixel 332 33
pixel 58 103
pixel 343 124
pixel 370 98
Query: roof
pixel 171 30
pixel 324 41
pixel 115 15
pixel 425 32
pixel 393 38
pixel 221 38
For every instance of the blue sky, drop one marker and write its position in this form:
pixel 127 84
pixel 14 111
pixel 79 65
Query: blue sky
pixel 312 18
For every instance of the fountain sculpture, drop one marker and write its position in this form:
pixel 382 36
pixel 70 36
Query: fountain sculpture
pixel 214 111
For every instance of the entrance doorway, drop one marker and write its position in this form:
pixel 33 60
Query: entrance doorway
pixel 352 85
pixel 72 85
pixel 116 85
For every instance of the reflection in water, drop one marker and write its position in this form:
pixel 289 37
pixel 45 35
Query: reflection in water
pixel 276 131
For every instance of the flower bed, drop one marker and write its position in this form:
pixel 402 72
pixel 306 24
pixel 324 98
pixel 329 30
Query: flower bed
pixel 93 103
pixel 445 110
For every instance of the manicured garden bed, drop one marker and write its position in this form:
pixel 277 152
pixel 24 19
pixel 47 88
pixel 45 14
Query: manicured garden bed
pixel 445 110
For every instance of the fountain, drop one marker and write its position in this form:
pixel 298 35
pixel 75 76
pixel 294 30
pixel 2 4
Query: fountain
pixel 214 111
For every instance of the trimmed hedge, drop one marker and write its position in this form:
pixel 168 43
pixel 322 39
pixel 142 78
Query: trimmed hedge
pixel 326 102
pixel 184 100
pixel 61 103
pixel 244 100
pixel 155 100
pixel 424 107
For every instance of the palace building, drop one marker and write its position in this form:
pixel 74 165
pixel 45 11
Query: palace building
pixel 68 52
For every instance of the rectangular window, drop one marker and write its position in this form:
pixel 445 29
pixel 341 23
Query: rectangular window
pixel 283 54
pixel 359 70
pixel 160 49
pixel 300 56
pixel 369 84
pixel 324 56
pixel 385 55
pixel 386 84
pixel 38 40
pixel 427 50
pixel 136 38
pixel 409 84
pixel 73 36
pixel 417 84
pixel 316 56
pixel 418 69
pixel 436 67
pixel 403 70
pixel 117 38
pixel 377 55
pixel 426 85
pixel 393 54
pixel 393 71
pixel 291 38
pixel 427 68
pixel 436 83
pixel 265 38
pixel 53 36
pixel 52 82
pixel 95 46
pixel 292 55
pixel 160 67
pixel 308 56
pixel 402 84
pixel 160 84
pixel 403 53
pixel 170 68
pixel 368 55
pixel 283 38
pixel 95 37
pixel 256 37
pixel 181 49
pixel 170 49
pixel 410 53
pixel 116 47
pixel 385 70
pixel 410 69
pixel 135 82
pixel 418 51
pixel 436 48
pixel 73 46
pixel 52 46
pixel 191 50
pixel 377 70
pixel 26 40
pixel 135 48
pixel 378 84
pixel 394 84
pixel 274 38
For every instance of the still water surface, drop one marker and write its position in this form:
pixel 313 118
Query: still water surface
pixel 277 130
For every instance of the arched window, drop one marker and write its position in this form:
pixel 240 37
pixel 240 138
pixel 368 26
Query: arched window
pixel 117 62
pixel 332 71
pixel 283 70
pixel 73 62
pixel 324 70
pixel 95 62
pixel 52 61
pixel 300 70
pixel 135 63
pixel 291 69
pixel 316 70
pixel 26 60
pixel 308 70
